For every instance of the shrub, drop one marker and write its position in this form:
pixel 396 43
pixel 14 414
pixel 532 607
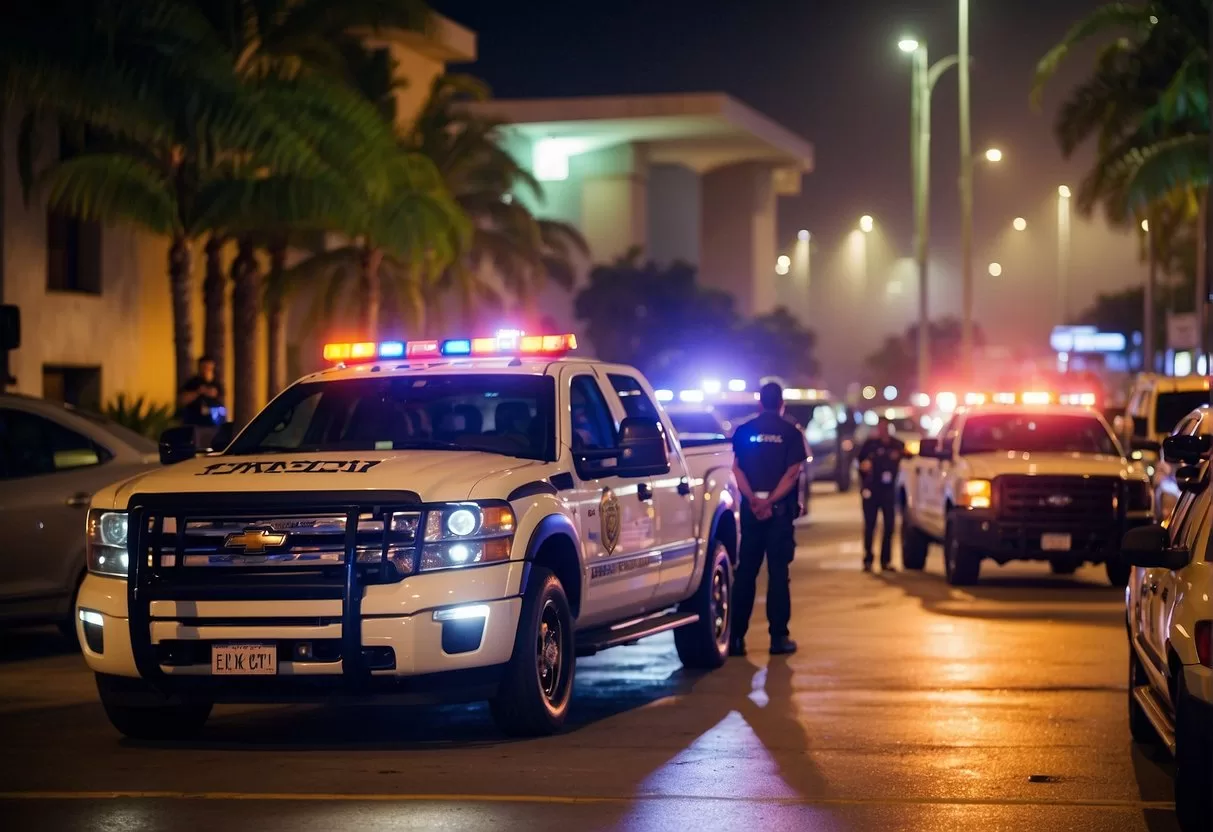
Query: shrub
pixel 141 416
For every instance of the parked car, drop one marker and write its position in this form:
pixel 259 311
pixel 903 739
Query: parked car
pixel 53 458
pixel 1166 488
pixel 1169 616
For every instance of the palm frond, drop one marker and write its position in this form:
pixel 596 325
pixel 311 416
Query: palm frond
pixel 1135 18
pixel 108 187
pixel 1176 164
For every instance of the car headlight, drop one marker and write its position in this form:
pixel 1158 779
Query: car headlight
pixel 977 494
pixel 466 534
pixel 106 543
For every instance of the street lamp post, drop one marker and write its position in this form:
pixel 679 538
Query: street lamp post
pixel 1063 252
pixel 1147 329
pixel 924 77
pixel 966 191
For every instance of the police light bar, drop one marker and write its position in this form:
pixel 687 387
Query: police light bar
pixel 505 342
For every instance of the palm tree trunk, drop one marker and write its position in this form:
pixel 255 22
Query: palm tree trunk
pixel 246 310
pixel 372 288
pixel 1147 346
pixel 1202 265
pixel 275 322
pixel 417 302
pixel 214 302
pixel 183 323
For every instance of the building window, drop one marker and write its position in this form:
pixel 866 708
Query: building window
pixel 73 254
pixel 77 386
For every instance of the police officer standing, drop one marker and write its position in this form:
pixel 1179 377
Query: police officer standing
pixel 879 457
pixel 768 454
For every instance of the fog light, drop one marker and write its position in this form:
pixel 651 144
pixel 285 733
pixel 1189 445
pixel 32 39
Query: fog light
pixel 93 625
pixel 462 613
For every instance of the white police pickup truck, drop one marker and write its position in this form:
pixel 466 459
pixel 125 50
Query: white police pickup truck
pixel 1022 482
pixel 440 521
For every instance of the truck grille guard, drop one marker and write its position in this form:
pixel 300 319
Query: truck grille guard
pixel 182 547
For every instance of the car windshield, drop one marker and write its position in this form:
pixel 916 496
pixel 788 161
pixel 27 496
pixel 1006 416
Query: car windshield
pixel 1171 407
pixel 1043 433
pixel 500 414
pixel 697 427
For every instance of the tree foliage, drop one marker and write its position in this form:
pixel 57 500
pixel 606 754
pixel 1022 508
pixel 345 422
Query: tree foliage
pixel 658 318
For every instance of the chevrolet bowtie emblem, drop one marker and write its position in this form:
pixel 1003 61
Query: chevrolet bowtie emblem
pixel 254 541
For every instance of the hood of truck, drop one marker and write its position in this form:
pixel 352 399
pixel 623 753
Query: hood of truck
pixel 988 466
pixel 436 476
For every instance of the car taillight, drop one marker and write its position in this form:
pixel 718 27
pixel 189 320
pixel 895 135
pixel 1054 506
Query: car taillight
pixel 1204 642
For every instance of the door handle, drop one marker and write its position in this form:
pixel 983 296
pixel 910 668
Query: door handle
pixel 79 500
pixel 644 492
pixel 684 488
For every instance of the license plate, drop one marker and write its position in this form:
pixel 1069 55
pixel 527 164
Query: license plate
pixel 244 660
pixel 1055 542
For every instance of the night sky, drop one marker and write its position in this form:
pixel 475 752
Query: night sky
pixel 831 71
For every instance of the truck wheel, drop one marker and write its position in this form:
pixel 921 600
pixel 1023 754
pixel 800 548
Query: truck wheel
pixel 914 544
pixel 1193 766
pixel 1139 725
pixel 962 565
pixel 171 720
pixel 1118 572
pixel 704 645
pixel 534 696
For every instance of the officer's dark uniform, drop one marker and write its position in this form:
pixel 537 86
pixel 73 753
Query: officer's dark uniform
pixel 765 448
pixel 879 493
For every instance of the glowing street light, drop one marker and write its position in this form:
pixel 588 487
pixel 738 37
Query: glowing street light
pixel 907 45
pixel 1063 191
pixel 783 264
pixel 866 224
pixel 802 235
pixel 993 155
pixel 1019 224
pixel 1145 226
pixel 995 269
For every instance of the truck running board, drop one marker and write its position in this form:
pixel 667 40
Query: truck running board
pixel 1157 715
pixel 590 642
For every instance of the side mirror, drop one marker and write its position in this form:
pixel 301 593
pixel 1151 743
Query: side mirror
pixel 1150 547
pixel 1186 450
pixel 1188 477
pixel 222 437
pixel 1149 446
pixel 178 445
pixel 644 451
pixel 928 447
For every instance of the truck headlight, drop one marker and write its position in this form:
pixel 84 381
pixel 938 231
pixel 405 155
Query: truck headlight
pixel 106 543
pixel 464 534
pixel 977 494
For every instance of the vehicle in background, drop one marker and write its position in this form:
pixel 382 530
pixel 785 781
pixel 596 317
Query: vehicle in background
pixel 904 424
pixel 827 423
pixel 53 458
pixel 439 520
pixel 1022 482
pixel 1169 616
pixel 1166 486
pixel 700 431
pixel 1156 405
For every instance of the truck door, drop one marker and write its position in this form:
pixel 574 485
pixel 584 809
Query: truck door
pixel 619 530
pixel 1185 528
pixel 671 497
pixel 932 484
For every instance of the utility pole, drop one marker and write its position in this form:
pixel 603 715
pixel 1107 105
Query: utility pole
pixel 1147 346
pixel 966 193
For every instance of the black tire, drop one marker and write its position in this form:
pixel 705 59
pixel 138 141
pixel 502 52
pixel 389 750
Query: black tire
pixel 1140 726
pixel 915 545
pixel 167 720
pixel 1193 767
pixel 1118 572
pixel 704 645
pixel 1063 567
pixel 533 699
pixel 962 564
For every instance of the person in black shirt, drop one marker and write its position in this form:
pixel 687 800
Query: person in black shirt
pixel 879 458
pixel 768 454
pixel 201 399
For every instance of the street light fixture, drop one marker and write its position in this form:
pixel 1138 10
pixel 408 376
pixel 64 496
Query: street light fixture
pixel 1063 251
pixel 802 235
pixel 993 155
pixel 1019 224
pixel 995 269
pixel 907 45
pixel 1063 191
pixel 866 224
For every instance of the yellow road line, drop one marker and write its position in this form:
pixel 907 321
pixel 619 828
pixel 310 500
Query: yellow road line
pixel 1092 803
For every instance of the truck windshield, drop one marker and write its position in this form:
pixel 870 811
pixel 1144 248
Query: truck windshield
pixel 1171 407
pixel 1044 433
pixel 499 414
pixel 697 428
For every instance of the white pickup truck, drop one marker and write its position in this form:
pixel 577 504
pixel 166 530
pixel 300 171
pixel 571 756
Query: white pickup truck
pixel 1022 482
pixel 440 521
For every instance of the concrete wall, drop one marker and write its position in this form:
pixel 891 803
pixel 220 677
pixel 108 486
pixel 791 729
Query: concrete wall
pixel 738 243
pixel 673 213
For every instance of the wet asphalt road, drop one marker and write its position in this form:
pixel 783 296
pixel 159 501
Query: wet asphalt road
pixel 911 706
